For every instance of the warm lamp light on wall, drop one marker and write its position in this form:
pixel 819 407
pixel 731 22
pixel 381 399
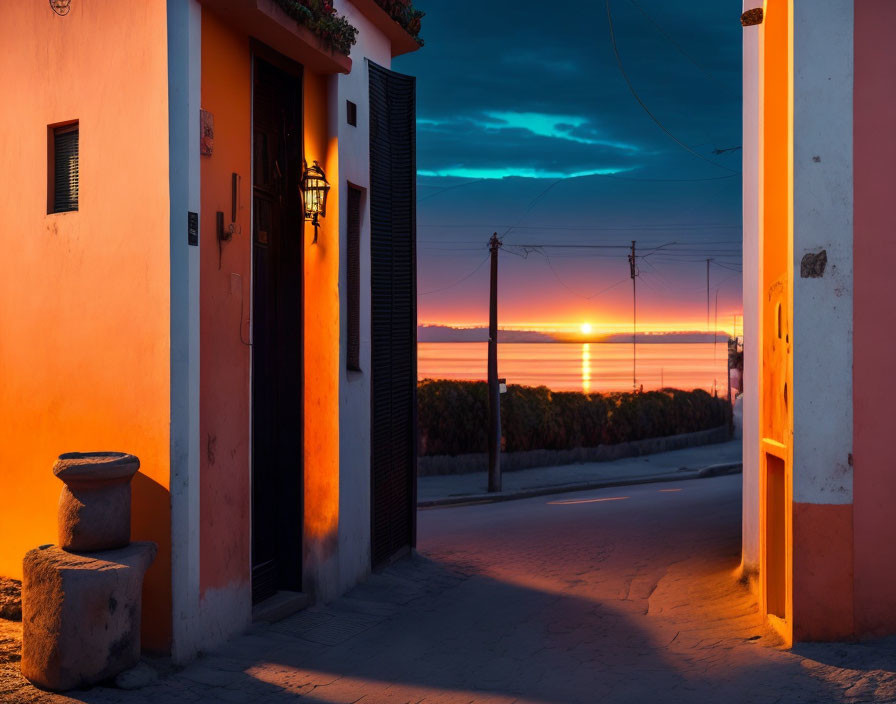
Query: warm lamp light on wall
pixel 315 188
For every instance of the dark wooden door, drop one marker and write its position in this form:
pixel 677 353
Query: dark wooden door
pixel 276 332
pixel 393 313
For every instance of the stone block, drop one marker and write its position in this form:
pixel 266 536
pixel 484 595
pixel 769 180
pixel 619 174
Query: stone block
pixel 81 614
pixel 95 503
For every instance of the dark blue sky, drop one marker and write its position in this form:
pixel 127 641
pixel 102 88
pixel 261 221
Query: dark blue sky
pixel 525 121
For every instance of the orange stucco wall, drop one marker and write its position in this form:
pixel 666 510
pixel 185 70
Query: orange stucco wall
pixel 225 313
pixel 776 300
pixel 84 298
pixel 874 317
pixel 225 308
pixel 321 352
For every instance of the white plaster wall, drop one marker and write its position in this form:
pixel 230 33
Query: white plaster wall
pixel 354 386
pixel 822 219
pixel 751 277
pixel 184 75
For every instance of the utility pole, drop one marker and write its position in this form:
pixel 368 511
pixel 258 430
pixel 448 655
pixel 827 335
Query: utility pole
pixel 715 328
pixel 494 390
pixel 707 295
pixel 633 268
pixel 734 338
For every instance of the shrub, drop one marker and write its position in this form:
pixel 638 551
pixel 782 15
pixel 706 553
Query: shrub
pixel 453 417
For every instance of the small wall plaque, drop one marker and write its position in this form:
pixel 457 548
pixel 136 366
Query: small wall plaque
pixel 61 7
pixel 193 229
pixel 206 133
pixel 752 17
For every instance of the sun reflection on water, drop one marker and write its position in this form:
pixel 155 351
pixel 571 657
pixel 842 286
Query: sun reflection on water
pixel 586 367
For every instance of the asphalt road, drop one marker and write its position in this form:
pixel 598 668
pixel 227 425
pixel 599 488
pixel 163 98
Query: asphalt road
pixel 614 595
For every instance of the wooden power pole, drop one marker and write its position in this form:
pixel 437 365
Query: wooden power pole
pixel 707 297
pixel 633 268
pixel 494 390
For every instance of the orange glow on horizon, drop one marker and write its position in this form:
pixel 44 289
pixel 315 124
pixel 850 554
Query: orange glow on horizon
pixel 672 324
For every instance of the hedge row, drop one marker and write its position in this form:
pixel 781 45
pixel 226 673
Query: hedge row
pixel 453 417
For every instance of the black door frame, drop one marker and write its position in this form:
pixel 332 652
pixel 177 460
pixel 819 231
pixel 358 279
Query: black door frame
pixel 289 520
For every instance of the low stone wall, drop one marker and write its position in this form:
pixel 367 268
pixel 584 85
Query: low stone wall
pixel 510 461
pixel 10 599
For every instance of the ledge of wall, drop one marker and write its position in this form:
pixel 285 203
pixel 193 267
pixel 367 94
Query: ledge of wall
pixel 511 461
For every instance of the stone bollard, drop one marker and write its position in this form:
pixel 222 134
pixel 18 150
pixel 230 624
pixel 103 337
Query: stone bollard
pixel 81 601
pixel 81 614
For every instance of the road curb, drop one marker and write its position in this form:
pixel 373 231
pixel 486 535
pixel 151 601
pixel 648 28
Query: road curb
pixel 715 470
pixel 718 470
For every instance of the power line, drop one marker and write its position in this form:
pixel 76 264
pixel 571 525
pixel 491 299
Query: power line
pixel 459 281
pixel 674 43
pixel 570 289
pixel 659 227
pixel 673 180
pixel 449 188
pixel 532 205
pixel 586 246
pixel 644 106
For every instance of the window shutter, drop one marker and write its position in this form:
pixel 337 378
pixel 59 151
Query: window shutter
pixel 65 165
pixel 393 336
pixel 353 267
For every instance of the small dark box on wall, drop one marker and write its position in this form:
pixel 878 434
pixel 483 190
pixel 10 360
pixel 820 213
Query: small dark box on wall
pixel 193 229
pixel 206 133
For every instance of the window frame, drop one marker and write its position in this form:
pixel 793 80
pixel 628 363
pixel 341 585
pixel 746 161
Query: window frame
pixel 353 233
pixel 53 132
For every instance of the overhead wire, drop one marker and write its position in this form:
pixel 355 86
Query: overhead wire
pixel 573 291
pixel 531 206
pixel 449 188
pixel 673 180
pixel 590 228
pixel 678 47
pixel 459 281
pixel 643 105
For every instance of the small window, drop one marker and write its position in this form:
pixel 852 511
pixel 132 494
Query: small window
pixel 351 111
pixel 353 280
pixel 64 180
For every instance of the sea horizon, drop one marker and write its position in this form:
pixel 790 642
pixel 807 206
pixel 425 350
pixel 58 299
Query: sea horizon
pixel 586 366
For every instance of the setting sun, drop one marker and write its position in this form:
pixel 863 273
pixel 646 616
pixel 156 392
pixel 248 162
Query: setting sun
pixel 585 328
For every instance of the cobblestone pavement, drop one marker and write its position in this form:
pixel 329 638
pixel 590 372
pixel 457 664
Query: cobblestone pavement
pixel 616 595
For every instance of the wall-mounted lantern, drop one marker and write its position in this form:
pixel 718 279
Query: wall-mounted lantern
pixel 315 188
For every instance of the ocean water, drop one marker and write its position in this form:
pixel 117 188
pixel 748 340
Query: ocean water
pixel 589 367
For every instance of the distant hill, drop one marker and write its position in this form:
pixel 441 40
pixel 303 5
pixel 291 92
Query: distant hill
pixel 653 337
pixel 446 333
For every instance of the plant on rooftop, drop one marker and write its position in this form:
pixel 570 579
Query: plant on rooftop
pixel 320 17
pixel 404 12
